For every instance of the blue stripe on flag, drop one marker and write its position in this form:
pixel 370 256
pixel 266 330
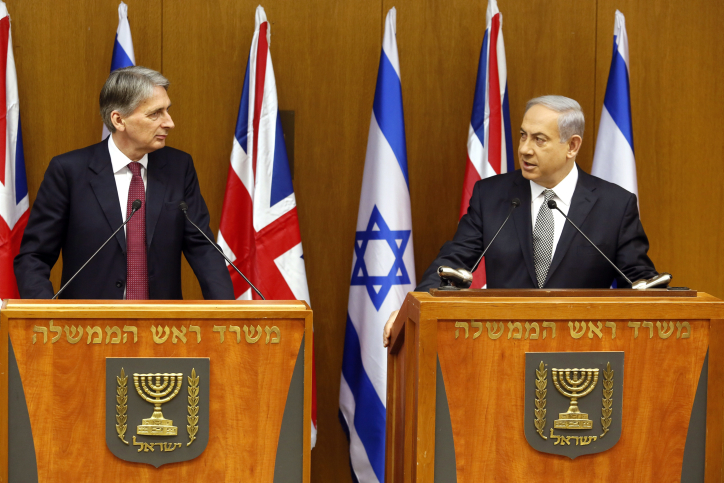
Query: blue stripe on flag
pixel 388 111
pixel 477 120
pixel 369 415
pixel 617 99
pixel 281 183
pixel 120 58
pixel 508 132
pixel 21 182
pixel 345 428
pixel 242 120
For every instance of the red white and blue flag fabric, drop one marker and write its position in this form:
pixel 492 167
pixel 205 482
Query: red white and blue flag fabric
pixel 14 207
pixel 614 159
pixel 383 269
pixel 259 228
pixel 490 145
pixel 122 47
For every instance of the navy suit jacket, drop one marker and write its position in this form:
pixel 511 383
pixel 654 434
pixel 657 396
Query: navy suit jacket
pixel 605 212
pixel 77 209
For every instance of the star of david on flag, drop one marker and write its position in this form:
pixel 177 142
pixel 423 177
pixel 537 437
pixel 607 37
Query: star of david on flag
pixel 383 270
pixel 378 286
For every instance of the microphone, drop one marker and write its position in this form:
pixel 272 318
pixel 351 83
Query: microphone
pixel 450 277
pixel 134 208
pixel 184 207
pixel 639 284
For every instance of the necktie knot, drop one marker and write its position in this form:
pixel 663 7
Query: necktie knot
pixel 135 168
pixel 548 195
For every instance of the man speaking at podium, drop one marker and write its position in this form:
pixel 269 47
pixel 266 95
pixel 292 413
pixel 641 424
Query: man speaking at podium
pixel 87 194
pixel 538 248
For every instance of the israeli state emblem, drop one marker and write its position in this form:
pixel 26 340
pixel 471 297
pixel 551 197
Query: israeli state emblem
pixel 157 409
pixel 573 401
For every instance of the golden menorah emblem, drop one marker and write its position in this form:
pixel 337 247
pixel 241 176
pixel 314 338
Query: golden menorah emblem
pixel 157 389
pixel 574 387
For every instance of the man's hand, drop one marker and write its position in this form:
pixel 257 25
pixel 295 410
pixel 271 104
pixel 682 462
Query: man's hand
pixel 388 328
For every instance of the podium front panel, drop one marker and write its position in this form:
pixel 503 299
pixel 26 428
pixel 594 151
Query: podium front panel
pixel 62 351
pixel 611 390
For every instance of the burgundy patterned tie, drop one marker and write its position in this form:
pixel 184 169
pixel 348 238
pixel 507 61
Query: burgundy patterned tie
pixel 137 281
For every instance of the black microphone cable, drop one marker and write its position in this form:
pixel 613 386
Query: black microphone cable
pixel 184 207
pixel 134 208
pixel 514 203
pixel 553 206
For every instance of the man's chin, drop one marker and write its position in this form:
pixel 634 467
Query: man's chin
pixel 530 175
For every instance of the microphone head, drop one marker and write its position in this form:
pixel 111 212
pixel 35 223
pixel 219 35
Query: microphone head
pixel 136 205
pixel 552 204
pixel 183 206
pixel 515 202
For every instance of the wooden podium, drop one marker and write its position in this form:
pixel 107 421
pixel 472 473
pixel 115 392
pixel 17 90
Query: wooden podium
pixel 58 408
pixel 462 398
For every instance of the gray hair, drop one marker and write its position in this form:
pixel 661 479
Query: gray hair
pixel 125 89
pixel 570 120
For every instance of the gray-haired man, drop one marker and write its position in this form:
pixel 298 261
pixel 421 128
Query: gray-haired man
pixel 86 194
pixel 537 248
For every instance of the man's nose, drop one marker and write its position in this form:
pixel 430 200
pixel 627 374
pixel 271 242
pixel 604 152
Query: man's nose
pixel 525 147
pixel 167 121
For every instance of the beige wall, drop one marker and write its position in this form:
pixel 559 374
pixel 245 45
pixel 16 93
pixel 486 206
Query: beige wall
pixel 325 57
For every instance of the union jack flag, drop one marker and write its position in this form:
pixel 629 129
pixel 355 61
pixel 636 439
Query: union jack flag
pixel 259 228
pixel 14 207
pixel 490 145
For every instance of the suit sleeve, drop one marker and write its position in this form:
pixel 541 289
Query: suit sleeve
pixel 464 249
pixel 206 262
pixel 633 246
pixel 44 235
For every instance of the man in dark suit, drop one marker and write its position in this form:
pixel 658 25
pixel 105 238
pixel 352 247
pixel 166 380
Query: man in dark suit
pixel 537 248
pixel 86 194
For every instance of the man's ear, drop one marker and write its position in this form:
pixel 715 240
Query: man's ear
pixel 117 121
pixel 574 144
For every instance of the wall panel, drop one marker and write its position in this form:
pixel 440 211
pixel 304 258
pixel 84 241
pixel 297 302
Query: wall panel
pixel 325 56
pixel 676 101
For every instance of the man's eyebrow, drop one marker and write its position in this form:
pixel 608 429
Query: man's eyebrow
pixel 159 108
pixel 535 133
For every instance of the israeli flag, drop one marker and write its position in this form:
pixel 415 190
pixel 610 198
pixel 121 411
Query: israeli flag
pixel 614 157
pixel 122 48
pixel 383 269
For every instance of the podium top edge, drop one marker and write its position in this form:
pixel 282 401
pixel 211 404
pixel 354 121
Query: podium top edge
pixel 657 293
pixel 154 308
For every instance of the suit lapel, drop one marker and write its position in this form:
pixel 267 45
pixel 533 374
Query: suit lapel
pixel 155 192
pixel 104 188
pixel 523 223
pixel 581 204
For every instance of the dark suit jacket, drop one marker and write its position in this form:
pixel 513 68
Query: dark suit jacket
pixel 77 209
pixel 605 212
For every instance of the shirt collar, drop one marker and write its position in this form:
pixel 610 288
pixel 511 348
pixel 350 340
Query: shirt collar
pixel 120 160
pixel 564 190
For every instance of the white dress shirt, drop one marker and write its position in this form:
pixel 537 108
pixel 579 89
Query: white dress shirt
pixel 563 195
pixel 123 175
